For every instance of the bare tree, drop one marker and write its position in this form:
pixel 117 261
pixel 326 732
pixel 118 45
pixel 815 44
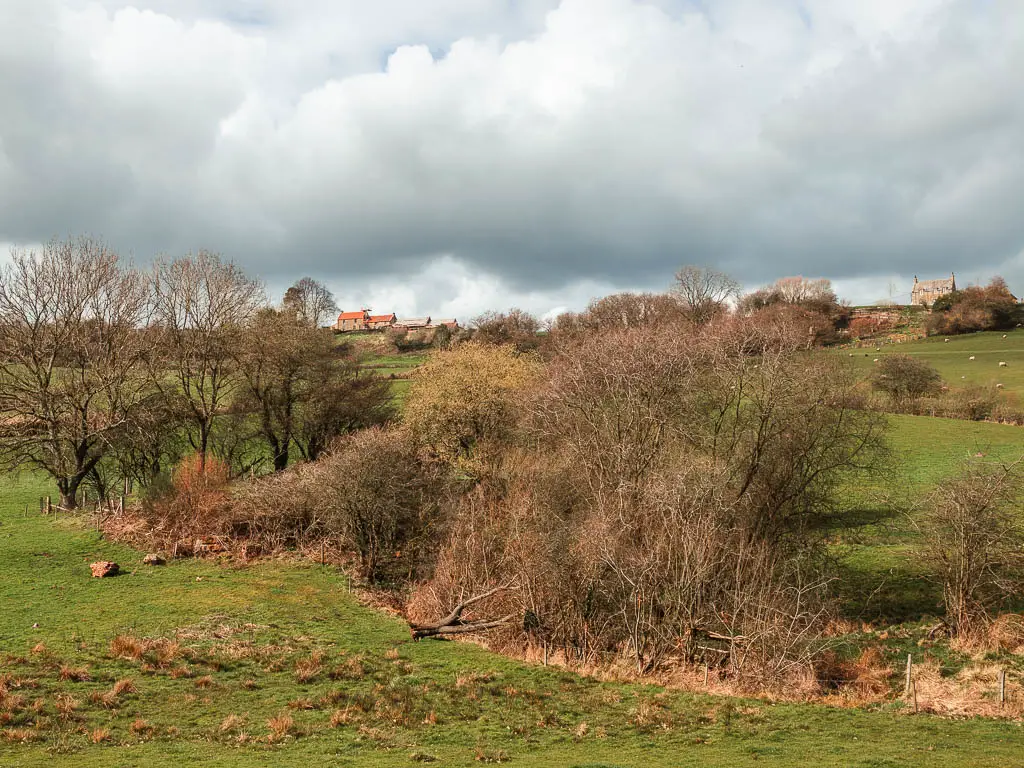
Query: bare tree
pixel 301 390
pixel 515 327
pixel 72 380
pixel 201 305
pixel 703 292
pixel 341 399
pixel 661 499
pixel 311 302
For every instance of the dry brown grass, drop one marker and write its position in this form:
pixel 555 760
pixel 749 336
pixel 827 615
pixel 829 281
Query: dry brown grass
pixel 124 686
pixel 165 652
pixel 231 723
pixel 280 727
pixel 20 735
pixel 307 670
pixel 206 681
pixel 74 674
pixel 972 691
pixel 99 735
pixel 1006 634
pixel 350 669
pixel 142 728
pixel 341 717
pixel 66 704
pixel 11 703
pixel 127 647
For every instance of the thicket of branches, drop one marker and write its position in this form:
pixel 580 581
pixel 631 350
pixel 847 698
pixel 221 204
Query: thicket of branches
pixel 659 497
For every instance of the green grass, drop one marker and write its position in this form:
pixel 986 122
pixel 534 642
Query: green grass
pixel 952 358
pixel 880 579
pixel 244 633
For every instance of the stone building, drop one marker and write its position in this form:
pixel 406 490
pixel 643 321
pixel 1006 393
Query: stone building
pixel 925 292
pixel 352 321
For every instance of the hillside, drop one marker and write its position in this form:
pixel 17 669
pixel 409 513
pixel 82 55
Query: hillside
pixel 278 663
pixel 952 358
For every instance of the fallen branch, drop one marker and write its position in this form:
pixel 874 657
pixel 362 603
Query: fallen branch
pixel 452 624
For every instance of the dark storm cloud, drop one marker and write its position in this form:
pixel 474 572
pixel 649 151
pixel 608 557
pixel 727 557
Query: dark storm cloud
pixel 531 151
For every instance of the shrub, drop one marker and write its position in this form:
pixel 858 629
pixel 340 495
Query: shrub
pixel 196 503
pixel 904 378
pixel 974 543
pixel 975 309
pixel 378 499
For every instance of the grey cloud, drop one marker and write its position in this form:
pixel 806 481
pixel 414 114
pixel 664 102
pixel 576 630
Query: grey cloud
pixel 538 146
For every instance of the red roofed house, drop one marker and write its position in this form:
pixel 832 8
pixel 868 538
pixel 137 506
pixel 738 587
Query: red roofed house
pixel 381 322
pixel 352 321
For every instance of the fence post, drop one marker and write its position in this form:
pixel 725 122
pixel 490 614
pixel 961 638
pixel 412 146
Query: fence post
pixel 1002 687
pixel 323 554
pixel 910 666
pixel 49 506
pixel 913 687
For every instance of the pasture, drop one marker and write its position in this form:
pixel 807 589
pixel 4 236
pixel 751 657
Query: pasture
pixel 210 663
pixel 277 663
pixel 953 361
pixel 880 579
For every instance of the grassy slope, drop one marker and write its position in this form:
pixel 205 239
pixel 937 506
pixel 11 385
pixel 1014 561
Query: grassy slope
pixel 952 358
pixel 880 578
pixel 256 623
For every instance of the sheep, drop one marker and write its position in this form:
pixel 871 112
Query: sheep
pixel 971 357
pixel 945 341
pixel 999 386
pixel 1004 335
pixel 875 360
pixel 1002 364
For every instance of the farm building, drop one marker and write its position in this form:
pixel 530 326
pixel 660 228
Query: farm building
pixel 413 323
pixel 381 322
pixel 352 321
pixel 925 292
pixel 450 322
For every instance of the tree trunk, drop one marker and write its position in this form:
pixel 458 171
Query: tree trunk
pixel 281 460
pixel 68 489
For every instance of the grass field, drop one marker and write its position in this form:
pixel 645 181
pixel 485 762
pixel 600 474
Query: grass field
pixel 278 664
pixel 952 358
pixel 880 579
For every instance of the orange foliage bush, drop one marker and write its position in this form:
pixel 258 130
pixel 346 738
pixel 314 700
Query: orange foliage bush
pixel 197 502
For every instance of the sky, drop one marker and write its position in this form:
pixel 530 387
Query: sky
pixel 448 157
